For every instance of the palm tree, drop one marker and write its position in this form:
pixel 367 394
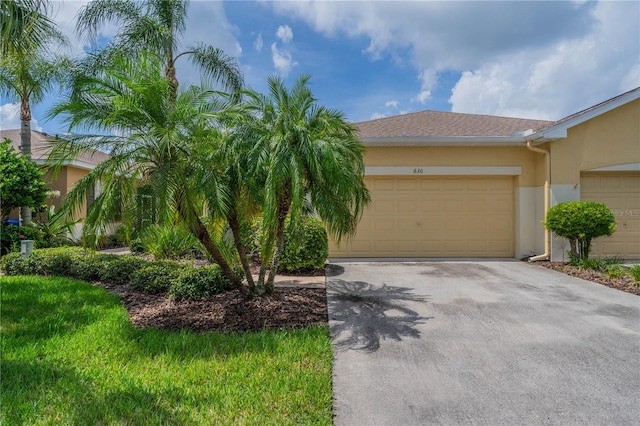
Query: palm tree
pixel 165 145
pixel 302 152
pixel 156 26
pixel 25 25
pixel 27 72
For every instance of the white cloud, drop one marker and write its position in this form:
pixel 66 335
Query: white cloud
pixel 377 115
pixel 561 79
pixel 392 104
pixel 10 118
pixel 508 63
pixel 423 96
pixel 285 34
pixel 258 43
pixel 282 60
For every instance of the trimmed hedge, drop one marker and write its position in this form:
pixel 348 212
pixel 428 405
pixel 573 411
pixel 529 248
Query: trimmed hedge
pixel 157 278
pixel 179 280
pixel 193 283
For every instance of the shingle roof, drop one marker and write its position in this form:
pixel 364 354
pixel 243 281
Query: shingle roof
pixel 40 147
pixel 446 124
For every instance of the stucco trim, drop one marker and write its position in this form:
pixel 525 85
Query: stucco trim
pixel 630 167
pixel 443 171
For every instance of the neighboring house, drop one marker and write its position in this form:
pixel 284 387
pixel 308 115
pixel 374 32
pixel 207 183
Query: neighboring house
pixel 462 185
pixel 71 172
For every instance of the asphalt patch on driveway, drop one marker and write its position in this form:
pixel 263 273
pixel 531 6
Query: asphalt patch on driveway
pixel 361 315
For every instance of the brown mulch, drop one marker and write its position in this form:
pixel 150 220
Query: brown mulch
pixel 287 308
pixel 625 283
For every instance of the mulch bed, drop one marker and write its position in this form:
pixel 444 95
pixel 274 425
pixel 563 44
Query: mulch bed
pixel 625 283
pixel 286 309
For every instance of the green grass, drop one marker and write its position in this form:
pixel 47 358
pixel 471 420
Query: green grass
pixel 70 356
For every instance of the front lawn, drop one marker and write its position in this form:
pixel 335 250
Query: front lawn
pixel 70 356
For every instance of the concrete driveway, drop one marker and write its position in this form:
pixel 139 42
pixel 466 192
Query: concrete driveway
pixel 481 342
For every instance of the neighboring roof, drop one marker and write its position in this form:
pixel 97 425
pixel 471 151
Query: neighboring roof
pixel 560 127
pixel 40 147
pixel 446 124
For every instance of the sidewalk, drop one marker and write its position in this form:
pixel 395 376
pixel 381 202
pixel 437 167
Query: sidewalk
pixel 281 280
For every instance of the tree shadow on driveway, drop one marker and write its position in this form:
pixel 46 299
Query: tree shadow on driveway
pixel 361 314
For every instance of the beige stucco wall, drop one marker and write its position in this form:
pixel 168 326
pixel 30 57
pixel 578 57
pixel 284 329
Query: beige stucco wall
pixel 610 139
pixel 461 157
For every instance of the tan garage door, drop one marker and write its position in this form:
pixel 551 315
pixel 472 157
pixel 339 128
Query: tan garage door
pixel 435 217
pixel 621 193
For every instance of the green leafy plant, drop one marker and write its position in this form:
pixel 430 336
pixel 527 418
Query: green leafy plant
pixel 21 183
pixel 170 242
pixel 120 269
pixel 306 246
pixel 11 235
pixel 55 229
pixel 157 277
pixel 615 270
pixel 580 222
pixel 196 282
pixel 635 273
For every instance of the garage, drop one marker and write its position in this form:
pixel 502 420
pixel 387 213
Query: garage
pixel 435 216
pixel 621 193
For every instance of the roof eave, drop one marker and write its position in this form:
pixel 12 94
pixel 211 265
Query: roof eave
pixel 446 141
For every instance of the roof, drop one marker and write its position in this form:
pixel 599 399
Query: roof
pixel 560 127
pixel 446 124
pixel 40 148
pixel 450 128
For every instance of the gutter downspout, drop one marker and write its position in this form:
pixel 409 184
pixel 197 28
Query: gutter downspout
pixel 547 202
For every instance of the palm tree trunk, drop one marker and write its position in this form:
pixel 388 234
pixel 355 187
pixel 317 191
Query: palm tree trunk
pixel 25 147
pixel 234 224
pixel 283 210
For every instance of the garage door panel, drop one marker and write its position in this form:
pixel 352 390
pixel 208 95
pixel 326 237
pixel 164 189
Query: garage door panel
pixel 431 216
pixel 621 193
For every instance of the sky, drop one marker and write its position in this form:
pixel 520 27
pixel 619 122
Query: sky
pixel 373 59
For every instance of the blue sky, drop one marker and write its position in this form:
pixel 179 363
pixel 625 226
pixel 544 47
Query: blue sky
pixel 372 59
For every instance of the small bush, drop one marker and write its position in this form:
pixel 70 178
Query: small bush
pixel 594 263
pixel 120 269
pixel 10 237
pixel 196 282
pixel 15 264
pixel 580 222
pixel 136 246
pixel 170 242
pixel 157 277
pixel 635 273
pixel 615 270
pixel 306 247
pixel 88 266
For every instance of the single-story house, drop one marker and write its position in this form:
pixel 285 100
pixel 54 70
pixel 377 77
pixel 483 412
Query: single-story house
pixel 71 172
pixel 452 185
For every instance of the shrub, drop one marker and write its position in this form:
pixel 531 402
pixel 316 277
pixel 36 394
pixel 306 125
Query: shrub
pixel 136 246
pixel 580 222
pixel 170 242
pixel 11 235
pixel 15 264
pixel 196 282
pixel 306 247
pixel 120 269
pixel 51 261
pixel 635 273
pixel 615 270
pixel 157 277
